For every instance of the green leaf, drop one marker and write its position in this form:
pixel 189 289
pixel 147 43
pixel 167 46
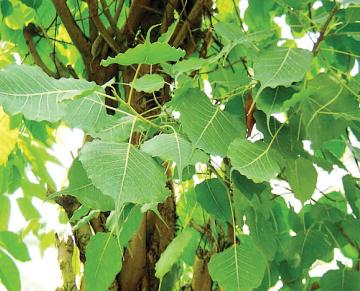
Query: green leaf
pixel 126 223
pixel 28 210
pixel 149 83
pixel 6 8
pixel 85 219
pixel 189 65
pixel 257 161
pixel 9 273
pixel 103 261
pixel 87 113
pixel 230 31
pixel 32 3
pixel 188 208
pixel 352 193
pixel 259 15
pixel 209 127
pixel 234 33
pixel 28 90
pixel 115 129
pixel 8 137
pixel 173 147
pixel 4 212
pixel 47 240
pixel 344 279
pixel 274 100
pixel 78 213
pixel 307 246
pixel 238 268
pixel 81 187
pixel 262 231
pixel 281 66
pixel 127 174
pixel 14 245
pixel 351 229
pixel 129 222
pixel 214 198
pixel 147 53
pixel 302 177
pixel 327 104
pixel 173 252
pixel 166 36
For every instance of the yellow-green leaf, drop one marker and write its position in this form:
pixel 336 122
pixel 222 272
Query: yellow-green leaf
pixel 8 137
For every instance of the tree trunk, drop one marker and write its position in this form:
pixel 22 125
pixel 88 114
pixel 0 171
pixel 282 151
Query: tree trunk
pixel 155 233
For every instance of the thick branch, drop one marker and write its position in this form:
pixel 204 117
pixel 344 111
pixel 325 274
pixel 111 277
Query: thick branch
pixel 201 280
pixel 186 26
pixel 83 234
pixel 28 33
pixel 65 255
pixel 133 268
pixel 133 20
pixel 73 29
pixel 93 9
pixel 98 224
pixel 118 11
pixel 168 17
pixel 108 14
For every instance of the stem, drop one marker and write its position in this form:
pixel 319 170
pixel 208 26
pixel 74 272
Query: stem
pixel 132 84
pixel 324 29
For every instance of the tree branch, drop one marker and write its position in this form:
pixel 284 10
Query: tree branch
pixel 133 21
pixel 65 255
pixel 324 29
pixel 194 14
pixel 83 234
pixel 108 14
pixel 93 11
pixel 201 280
pixel 74 30
pixel 28 33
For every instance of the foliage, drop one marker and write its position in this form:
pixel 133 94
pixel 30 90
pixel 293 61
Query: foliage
pixel 210 120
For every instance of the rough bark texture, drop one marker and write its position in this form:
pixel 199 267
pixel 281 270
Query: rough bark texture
pixel 65 254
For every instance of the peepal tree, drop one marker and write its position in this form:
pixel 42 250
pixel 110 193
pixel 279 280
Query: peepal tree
pixel 192 111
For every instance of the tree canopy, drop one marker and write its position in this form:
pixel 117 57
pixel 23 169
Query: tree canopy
pixel 192 112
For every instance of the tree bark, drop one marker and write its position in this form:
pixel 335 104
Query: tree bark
pixel 155 233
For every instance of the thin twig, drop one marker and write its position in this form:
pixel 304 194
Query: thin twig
pixel 324 29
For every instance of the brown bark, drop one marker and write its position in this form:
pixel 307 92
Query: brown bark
pixel 189 21
pixel 77 36
pixel 29 31
pixel 168 15
pixel 155 233
pixel 159 237
pixel 201 279
pixel 324 29
pixel 138 272
pixel 83 234
pixel 133 268
pixel 93 9
pixel 134 19
pixel 250 109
